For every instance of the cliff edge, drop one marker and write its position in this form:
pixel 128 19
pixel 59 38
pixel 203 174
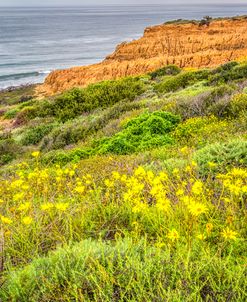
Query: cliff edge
pixel 185 45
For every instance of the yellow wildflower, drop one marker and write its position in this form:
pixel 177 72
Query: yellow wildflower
pixel 229 234
pixel 197 187
pixel 180 192
pixel 212 165
pixel 18 196
pixel 140 171
pixel 109 183
pixel 46 206
pixel 27 220
pixel 185 150
pixel 1 201
pixel 62 206
pixel 201 237
pixel 24 206
pixel 197 208
pixel 209 227
pixel 80 189
pixel 71 173
pixel 6 220
pixel 116 175
pixel 175 171
pixel 139 207
pixel 163 204
pixel 173 235
pixel 35 154
pixel 188 169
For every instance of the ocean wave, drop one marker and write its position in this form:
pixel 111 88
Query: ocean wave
pixel 17 76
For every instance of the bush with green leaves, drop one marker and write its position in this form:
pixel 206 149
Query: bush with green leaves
pixel 34 135
pixel 205 103
pixel 9 150
pixel 126 270
pixel 230 107
pixel 10 114
pixel 26 114
pixel 147 131
pixel 181 80
pixel 222 155
pixel 165 71
pixel 229 72
pixel 101 95
pixel 144 132
pixel 72 132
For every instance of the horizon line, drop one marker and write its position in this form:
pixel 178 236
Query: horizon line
pixel 123 4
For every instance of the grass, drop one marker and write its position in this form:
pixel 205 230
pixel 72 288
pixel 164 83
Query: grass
pixel 128 190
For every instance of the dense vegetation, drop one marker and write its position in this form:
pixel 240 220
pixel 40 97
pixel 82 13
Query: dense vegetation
pixel 126 190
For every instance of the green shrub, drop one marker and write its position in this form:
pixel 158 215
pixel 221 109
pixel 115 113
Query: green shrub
pixel 232 71
pixel 205 103
pixel 167 70
pixel 9 150
pixel 101 95
pixel 147 131
pixel 71 133
pixel 238 105
pixel 64 157
pixel 181 80
pixel 230 107
pixel 128 270
pixel 223 155
pixel 34 135
pixel 11 113
pixel 25 115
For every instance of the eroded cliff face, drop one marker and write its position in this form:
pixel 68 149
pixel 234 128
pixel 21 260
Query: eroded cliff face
pixel 185 45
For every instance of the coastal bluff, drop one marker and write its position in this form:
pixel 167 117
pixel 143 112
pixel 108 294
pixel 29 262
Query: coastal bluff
pixel 186 44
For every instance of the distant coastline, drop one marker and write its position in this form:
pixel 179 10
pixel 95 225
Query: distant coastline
pixel 94 31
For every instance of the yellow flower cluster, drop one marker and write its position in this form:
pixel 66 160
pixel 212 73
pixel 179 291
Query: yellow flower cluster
pixel 36 198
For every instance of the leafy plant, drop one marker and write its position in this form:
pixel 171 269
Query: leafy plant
pixel 34 135
pixel 181 80
pixel 165 71
pixel 222 155
pixel 101 95
pixel 147 131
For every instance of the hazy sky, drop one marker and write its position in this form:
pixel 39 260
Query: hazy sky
pixel 101 2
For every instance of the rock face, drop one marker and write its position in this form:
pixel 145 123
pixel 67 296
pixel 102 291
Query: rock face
pixel 185 45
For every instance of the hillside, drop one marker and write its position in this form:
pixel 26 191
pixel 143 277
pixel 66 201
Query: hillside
pixel 126 190
pixel 185 44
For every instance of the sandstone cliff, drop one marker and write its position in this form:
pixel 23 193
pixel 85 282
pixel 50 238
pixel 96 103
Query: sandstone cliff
pixel 186 45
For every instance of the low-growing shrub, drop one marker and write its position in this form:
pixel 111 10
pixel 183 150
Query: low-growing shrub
pixel 167 70
pixel 10 114
pixel 205 103
pixel 71 133
pixel 221 156
pixel 9 150
pixel 100 95
pixel 147 131
pixel 181 80
pixel 228 72
pixel 64 157
pixel 25 115
pixel 230 107
pixel 34 135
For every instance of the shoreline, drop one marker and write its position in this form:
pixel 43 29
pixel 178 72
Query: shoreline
pixel 18 87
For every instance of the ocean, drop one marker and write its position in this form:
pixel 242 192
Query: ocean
pixel 35 41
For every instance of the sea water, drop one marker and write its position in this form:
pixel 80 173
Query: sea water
pixel 35 41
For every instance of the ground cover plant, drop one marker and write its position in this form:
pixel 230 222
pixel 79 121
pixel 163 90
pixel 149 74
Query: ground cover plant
pixel 126 190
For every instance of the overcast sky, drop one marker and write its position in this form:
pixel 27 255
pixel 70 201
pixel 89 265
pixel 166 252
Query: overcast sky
pixel 102 2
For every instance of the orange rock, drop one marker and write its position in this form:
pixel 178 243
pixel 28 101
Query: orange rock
pixel 185 45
